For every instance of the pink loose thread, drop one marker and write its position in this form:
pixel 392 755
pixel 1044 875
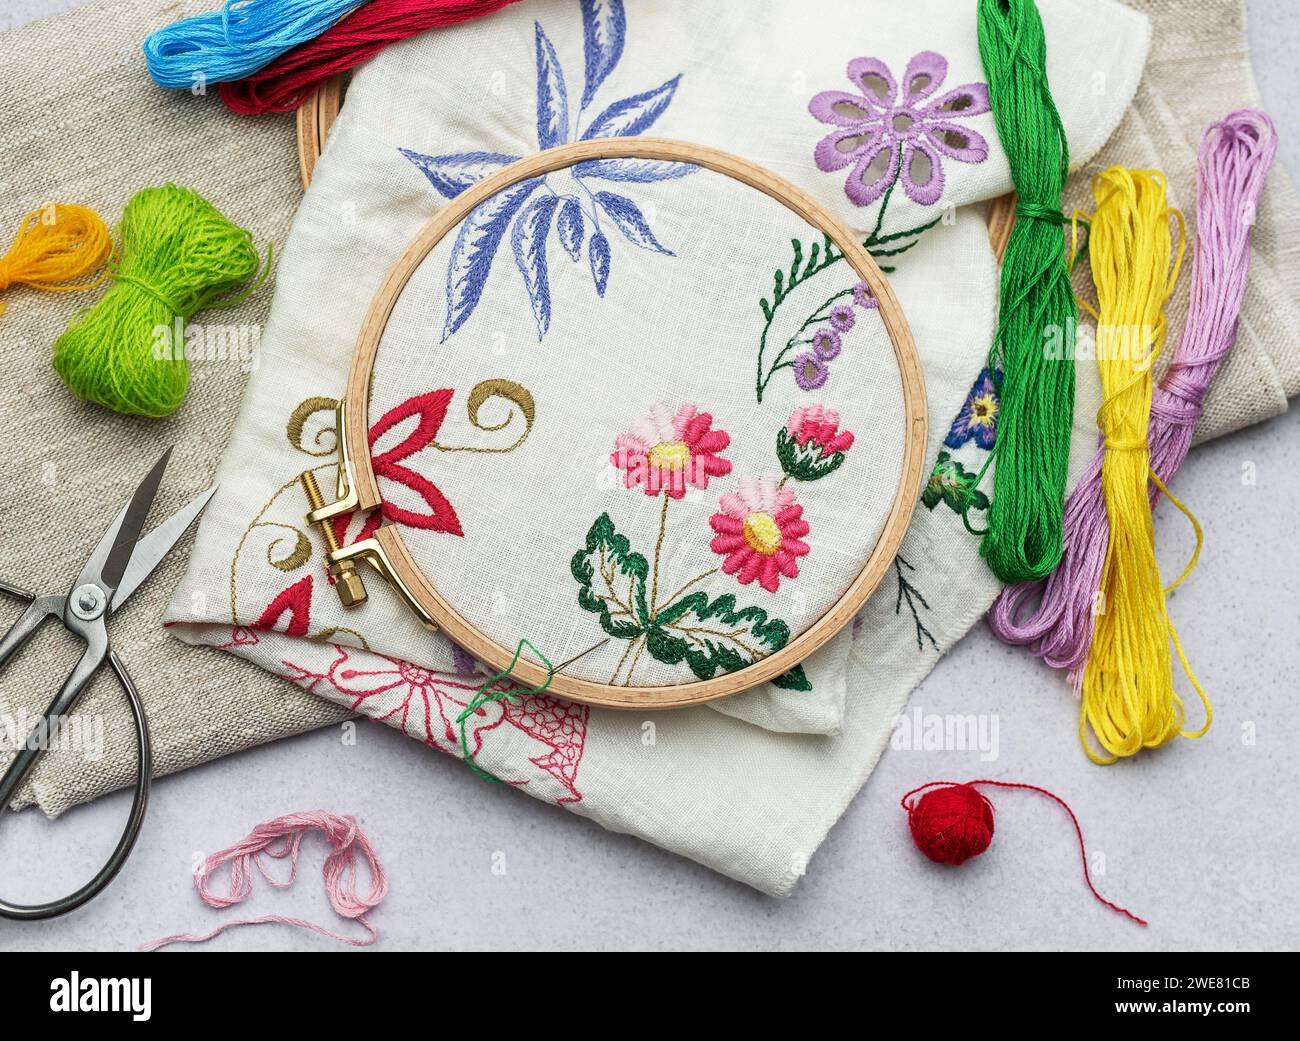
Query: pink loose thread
pixel 1234 159
pixel 345 839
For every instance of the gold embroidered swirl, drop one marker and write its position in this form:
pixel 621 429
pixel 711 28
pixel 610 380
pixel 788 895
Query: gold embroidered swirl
pixel 517 395
pixel 296 427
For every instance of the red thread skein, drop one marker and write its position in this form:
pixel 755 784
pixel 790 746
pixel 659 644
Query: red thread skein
pixel 292 78
pixel 952 822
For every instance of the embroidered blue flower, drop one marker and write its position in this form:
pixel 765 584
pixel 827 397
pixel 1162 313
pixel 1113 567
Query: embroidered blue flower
pixel 978 419
pixel 529 210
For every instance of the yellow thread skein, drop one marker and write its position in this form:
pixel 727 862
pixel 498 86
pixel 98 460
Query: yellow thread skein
pixel 55 245
pixel 1128 696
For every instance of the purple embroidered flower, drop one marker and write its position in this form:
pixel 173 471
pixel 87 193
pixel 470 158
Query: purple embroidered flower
pixel 842 318
pixel 864 297
pixel 887 133
pixel 826 343
pixel 810 371
pixel 978 419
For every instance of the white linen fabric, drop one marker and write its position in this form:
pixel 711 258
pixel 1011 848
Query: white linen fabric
pixel 748 786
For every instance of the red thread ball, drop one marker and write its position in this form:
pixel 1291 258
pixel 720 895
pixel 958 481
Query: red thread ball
pixel 951 824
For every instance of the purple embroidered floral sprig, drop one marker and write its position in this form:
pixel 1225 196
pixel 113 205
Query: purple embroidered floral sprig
pixel 805 267
pixel 822 338
pixel 582 216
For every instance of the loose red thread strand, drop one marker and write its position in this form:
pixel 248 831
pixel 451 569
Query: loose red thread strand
pixel 292 78
pixel 340 873
pixel 911 809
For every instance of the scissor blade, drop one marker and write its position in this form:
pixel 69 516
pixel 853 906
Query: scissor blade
pixel 151 549
pixel 107 564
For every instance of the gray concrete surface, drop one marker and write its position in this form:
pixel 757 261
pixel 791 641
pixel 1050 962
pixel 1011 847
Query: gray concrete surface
pixel 1200 838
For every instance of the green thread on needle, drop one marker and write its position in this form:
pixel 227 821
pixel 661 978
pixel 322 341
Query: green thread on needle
pixel 484 697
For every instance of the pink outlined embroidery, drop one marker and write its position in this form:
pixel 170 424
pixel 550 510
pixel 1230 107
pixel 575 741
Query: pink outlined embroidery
pixel 424 704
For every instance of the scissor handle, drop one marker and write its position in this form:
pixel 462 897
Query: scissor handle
pixel 97 647
pixel 39 608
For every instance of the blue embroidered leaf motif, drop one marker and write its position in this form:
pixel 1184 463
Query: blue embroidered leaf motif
pixel 452 174
pixel 552 98
pixel 634 115
pixel 630 221
pixel 570 228
pixel 528 238
pixel 640 171
pixel 604 26
pixel 476 244
pixel 528 222
pixel 598 254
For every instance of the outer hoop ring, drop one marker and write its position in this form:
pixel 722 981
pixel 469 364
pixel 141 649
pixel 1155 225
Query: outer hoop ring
pixel 456 626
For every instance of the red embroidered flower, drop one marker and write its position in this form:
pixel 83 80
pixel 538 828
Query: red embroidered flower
pixel 760 532
pixel 429 410
pixel 664 451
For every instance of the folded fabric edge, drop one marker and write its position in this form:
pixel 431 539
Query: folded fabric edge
pixel 1133 69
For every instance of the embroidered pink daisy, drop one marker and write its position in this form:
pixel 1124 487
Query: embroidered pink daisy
pixel 818 426
pixel 759 531
pixel 667 451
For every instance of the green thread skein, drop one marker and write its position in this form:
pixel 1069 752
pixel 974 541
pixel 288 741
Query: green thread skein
pixel 179 254
pixel 1032 453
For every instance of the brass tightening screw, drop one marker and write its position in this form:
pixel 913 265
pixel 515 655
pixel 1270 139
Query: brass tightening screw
pixel 347 582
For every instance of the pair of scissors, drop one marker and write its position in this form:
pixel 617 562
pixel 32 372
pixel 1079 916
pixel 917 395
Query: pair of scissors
pixel 121 561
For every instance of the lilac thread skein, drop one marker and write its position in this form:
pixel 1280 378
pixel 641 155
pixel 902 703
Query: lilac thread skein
pixel 1234 159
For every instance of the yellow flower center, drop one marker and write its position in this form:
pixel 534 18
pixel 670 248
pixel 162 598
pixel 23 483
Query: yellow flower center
pixel 761 533
pixel 984 410
pixel 670 455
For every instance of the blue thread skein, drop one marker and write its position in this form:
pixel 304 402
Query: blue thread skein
pixel 236 41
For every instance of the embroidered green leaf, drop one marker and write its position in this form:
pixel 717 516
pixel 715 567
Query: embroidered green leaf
pixel 714 636
pixel 807 462
pixel 795 679
pixel 916 603
pixel 612 581
pixel 954 485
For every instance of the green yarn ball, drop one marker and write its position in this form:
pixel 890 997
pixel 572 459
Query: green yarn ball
pixel 179 254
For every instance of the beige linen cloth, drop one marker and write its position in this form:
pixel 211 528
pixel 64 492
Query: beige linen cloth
pixel 100 130
pixel 1197 72
pixel 81 122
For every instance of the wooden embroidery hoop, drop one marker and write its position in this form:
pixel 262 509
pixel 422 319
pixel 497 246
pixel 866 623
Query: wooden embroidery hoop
pixel 386 550
pixel 317 114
